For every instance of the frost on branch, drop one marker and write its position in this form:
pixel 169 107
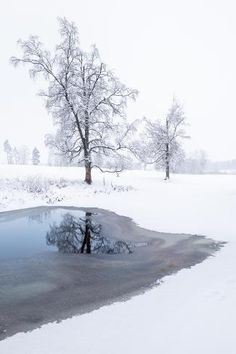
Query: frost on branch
pixel 86 99
pixel 159 142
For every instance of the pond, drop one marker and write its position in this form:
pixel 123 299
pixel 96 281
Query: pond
pixel 51 230
pixel 58 262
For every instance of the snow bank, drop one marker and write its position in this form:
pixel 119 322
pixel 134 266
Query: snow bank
pixel 25 186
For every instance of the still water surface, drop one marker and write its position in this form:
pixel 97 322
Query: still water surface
pixel 59 229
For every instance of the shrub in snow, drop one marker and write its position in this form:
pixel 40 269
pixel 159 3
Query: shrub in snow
pixel 36 185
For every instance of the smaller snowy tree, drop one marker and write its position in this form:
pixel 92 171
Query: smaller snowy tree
pixel 160 143
pixel 35 156
pixel 8 150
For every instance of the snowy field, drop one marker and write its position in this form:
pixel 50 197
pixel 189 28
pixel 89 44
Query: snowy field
pixel 191 312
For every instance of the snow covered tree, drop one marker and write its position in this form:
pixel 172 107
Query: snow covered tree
pixel 196 163
pixel 35 156
pixel 160 143
pixel 8 150
pixel 16 157
pixel 24 154
pixel 85 98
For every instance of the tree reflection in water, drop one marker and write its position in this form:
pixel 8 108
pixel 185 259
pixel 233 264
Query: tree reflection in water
pixel 83 235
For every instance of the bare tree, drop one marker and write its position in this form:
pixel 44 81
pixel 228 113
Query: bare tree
pixel 16 157
pixel 24 154
pixel 8 150
pixel 35 156
pixel 195 163
pixel 160 143
pixel 86 99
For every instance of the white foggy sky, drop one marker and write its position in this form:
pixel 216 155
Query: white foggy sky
pixel 161 48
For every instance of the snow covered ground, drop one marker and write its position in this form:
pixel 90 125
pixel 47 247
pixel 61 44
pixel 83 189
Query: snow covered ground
pixel 191 312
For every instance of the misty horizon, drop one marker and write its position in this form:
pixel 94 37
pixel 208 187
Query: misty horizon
pixel 158 49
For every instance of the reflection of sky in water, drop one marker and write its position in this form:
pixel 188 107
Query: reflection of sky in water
pixel 23 236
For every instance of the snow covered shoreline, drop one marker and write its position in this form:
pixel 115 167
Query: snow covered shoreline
pixel 191 312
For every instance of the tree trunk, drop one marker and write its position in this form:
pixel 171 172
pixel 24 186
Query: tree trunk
pixel 88 242
pixel 87 235
pixel 88 232
pixel 88 174
pixel 167 162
